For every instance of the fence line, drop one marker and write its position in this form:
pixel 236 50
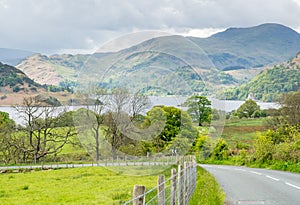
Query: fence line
pixel 116 161
pixel 176 190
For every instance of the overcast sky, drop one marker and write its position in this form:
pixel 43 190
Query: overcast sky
pixel 57 26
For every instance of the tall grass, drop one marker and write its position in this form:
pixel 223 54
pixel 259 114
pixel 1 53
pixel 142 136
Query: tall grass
pixel 208 191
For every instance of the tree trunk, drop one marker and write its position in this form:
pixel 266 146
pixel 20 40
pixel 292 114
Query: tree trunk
pixel 97 146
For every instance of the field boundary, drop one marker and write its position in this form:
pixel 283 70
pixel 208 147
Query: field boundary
pixel 117 161
pixel 177 189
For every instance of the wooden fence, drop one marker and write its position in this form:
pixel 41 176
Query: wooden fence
pixel 177 190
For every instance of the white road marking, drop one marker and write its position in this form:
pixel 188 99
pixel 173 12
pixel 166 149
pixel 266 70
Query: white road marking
pixel 272 178
pixel 223 168
pixel 292 185
pixel 243 170
pixel 258 173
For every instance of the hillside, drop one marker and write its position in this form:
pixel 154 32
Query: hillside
pixel 268 85
pixel 14 80
pixel 13 56
pixel 203 65
pixel 58 68
pixel 15 85
pixel 238 48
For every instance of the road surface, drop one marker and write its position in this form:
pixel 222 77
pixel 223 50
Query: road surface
pixel 257 186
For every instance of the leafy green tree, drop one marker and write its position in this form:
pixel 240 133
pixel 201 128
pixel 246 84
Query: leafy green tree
pixel 6 129
pixel 203 146
pixel 248 109
pixel 177 124
pixel 199 109
pixel 220 150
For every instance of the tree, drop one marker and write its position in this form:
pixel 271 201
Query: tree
pixel 199 109
pixel 248 109
pixel 291 107
pixel 7 127
pixel 203 146
pixel 41 128
pixel 177 127
pixel 120 125
pixel 89 122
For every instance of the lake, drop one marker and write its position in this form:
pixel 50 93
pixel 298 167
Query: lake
pixel 227 105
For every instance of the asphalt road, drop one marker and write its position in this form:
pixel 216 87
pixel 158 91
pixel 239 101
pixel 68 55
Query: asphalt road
pixel 257 186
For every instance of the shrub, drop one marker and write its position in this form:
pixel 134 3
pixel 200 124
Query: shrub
pixel 220 150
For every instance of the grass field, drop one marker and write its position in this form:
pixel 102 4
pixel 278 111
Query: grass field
pixel 94 185
pixel 243 130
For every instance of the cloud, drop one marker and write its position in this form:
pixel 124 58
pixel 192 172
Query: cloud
pixel 54 25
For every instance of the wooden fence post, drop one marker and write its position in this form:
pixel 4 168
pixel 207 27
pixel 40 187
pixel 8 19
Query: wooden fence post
pixel 161 190
pixel 173 187
pixel 184 182
pixel 139 195
pixel 179 187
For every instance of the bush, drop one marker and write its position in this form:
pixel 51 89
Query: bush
pixel 16 89
pixel 220 151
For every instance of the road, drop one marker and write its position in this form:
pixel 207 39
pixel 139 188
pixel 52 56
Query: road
pixel 257 186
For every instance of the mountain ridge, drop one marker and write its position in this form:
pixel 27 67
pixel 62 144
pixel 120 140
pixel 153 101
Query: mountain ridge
pixel 219 61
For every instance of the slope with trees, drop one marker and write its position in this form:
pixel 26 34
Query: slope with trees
pixel 270 84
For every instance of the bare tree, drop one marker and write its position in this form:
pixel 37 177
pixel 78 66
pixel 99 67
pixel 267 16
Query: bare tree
pixel 104 124
pixel 139 103
pixel 118 122
pixel 41 128
pixel 93 120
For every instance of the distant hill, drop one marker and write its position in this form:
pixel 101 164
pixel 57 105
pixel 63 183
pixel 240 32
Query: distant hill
pixel 238 48
pixel 270 84
pixel 13 56
pixel 223 60
pixel 14 80
pixel 53 69
pixel 15 85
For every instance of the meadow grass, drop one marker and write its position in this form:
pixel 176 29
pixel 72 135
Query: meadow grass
pixel 92 185
pixel 208 191
pixel 243 130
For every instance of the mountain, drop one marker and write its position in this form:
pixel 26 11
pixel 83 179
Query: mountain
pixel 14 80
pixel 173 64
pixel 238 48
pixel 53 69
pixel 269 84
pixel 13 56
pixel 15 85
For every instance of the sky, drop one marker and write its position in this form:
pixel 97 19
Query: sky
pixel 83 26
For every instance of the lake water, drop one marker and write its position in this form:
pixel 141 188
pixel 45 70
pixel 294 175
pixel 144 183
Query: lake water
pixel 227 105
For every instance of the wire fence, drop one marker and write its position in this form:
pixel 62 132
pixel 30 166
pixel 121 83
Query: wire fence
pixel 176 190
pixel 109 161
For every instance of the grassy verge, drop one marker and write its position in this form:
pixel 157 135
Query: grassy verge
pixel 282 166
pixel 92 185
pixel 272 165
pixel 208 191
